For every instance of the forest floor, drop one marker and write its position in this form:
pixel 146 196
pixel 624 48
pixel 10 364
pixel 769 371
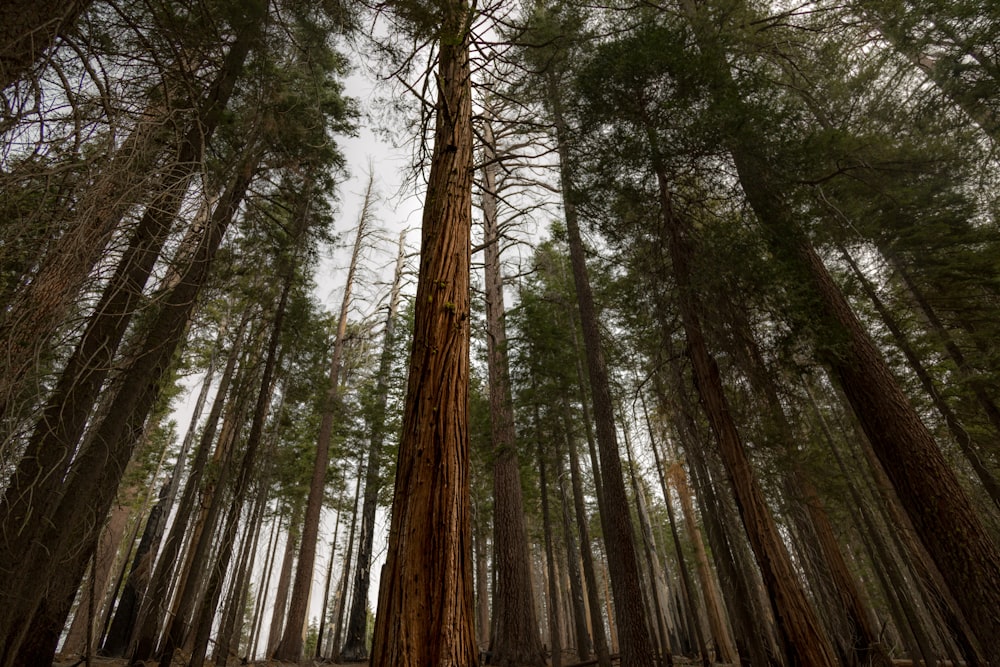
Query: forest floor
pixel 569 660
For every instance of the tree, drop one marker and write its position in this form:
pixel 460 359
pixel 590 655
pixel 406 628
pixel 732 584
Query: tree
pixel 425 614
pixel 28 30
pixel 515 639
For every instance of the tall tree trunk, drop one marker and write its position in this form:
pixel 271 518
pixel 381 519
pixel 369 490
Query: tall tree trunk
pixel 326 589
pixel 967 443
pixel 586 551
pixel 153 597
pixel 290 648
pixel 577 605
pixel 555 641
pixel 515 638
pixel 636 649
pixel 649 551
pixel 228 640
pixel 425 612
pixel 28 30
pixel 248 468
pixel 803 638
pixel 345 574
pixel 81 630
pixel 272 548
pixel 189 580
pixel 28 325
pixel 357 624
pixel 724 646
pixel 946 522
pixel 284 581
pixel 93 482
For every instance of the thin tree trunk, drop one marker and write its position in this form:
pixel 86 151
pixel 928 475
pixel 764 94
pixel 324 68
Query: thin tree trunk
pixel 284 581
pixel 290 648
pixel 326 589
pixel 579 611
pixel 425 614
pixel 152 594
pixel 555 642
pixel 345 572
pixel 725 648
pixel 91 486
pixel 754 614
pixel 357 625
pixel 636 649
pixel 586 551
pixel 652 561
pixel 515 639
pixel 248 468
pixel 258 613
pixel 232 619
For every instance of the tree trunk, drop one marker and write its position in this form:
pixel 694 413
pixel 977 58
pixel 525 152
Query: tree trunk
pixel 425 612
pixel 248 468
pixel 652 560
pixel 586 551
pixel 581 635
pixel 326 588
pixel 93 482
pixel 803 638
pixel 290 648
pixel 227 641
pixel 272 548
pixel 515 638
pixel 81 629
pixel 338 621
pixel 357 624
pixel 724 646
pixel 965 440
pixel 555 641
pixel 636 649
pixel 153 597
pixel 284 581
pixel 28 30
pixel 27 326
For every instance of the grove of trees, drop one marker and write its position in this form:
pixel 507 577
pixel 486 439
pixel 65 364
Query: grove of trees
pixel 696 359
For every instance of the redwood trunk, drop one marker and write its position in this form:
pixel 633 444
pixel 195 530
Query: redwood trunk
pixel 425 614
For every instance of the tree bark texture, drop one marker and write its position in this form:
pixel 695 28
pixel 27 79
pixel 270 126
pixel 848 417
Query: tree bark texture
pixel 28 29
pixel 425 615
